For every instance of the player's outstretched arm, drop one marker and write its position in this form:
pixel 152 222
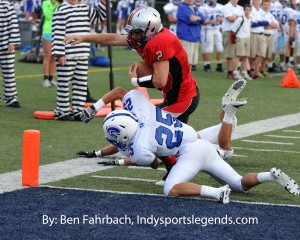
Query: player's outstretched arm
pixel 112 39
pixel 89 112
pixel 106 151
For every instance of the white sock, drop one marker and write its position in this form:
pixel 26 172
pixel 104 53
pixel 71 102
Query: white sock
pixel 265 177
pixel 206 63
pixel 270 64
pixel 298 66
pixel 207 191
pixel 291 59
pixel 99 104
pixel 281 64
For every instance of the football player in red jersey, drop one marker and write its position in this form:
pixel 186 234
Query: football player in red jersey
pixel 165 64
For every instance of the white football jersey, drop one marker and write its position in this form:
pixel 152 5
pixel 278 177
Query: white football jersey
pixel 159 133
pixel 212 13
pixel 286 14
pixel 297 19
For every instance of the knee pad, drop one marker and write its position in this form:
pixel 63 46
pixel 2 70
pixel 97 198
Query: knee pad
pixel 207 47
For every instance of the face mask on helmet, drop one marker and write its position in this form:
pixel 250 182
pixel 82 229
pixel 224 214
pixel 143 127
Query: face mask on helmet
pixel 198 2
pixel 283 3
pixel 143 23
pixel 176 2
pixel 120 126
pixel 212 3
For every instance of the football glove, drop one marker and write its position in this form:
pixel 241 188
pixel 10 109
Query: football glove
pixel 88 113
pixel 87 154
pixel 110 163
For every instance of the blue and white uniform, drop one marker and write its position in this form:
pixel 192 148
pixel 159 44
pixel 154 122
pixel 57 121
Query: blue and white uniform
pixel 160 134
pixel 211 32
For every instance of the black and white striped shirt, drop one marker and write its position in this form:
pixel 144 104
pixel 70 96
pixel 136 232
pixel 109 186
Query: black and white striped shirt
pixel 101 8
pixel 67 20
pixel 9 27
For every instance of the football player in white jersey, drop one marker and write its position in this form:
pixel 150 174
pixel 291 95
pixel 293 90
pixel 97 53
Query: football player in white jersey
pixel 211 34
pixel 297 33
pixel 275 10
pixel 144 132
pixel 170 10
pixel 287 29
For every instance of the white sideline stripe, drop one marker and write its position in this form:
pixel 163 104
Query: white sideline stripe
pixel 145 168
pixel 279 136
pixel 292 131
pixel 125 178
pixel 161 195
pixel 240 156
pixel 51 172
pixel 267 125
pixel 279 143
pixel 265 150
pixel 66 169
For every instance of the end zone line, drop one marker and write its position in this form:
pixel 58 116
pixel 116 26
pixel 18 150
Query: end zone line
pixel 125 178
pixel 161 195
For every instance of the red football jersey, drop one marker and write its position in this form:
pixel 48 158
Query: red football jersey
pixel 166 46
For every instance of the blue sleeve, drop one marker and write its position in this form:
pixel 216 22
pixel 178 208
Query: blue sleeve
pixel 183 14
pixel 263 23
pixel 255 24
pixel 202 21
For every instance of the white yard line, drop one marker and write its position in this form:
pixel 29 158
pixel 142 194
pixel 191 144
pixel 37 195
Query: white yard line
pixel 265 150
pixel 291 131
pixel 280 136
pixel 125 178
pixel 268 125
pixel 266 142
pixel 51 172
pixel 57 171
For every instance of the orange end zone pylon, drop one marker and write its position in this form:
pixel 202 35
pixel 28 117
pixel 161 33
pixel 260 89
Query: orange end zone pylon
pixel 31 158
pixel 289 80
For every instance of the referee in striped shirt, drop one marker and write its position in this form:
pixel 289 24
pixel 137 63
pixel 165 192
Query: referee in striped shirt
pixel 9 39
pixel 71 17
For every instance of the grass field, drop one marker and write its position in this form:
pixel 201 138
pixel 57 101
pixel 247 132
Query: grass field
pixel 61 140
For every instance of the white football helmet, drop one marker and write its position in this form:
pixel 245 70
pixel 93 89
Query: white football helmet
pixel 143 23
pixel 120 127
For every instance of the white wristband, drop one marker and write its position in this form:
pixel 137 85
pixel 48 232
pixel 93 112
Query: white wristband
pixel 98 153
pixel 121 162
pixel 99 104
pixel 134 82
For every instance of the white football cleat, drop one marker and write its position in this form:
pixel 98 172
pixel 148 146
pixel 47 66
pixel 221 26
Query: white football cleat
pixel 234 91
pixel 285 181
pixel 233 105
pixel 224 195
